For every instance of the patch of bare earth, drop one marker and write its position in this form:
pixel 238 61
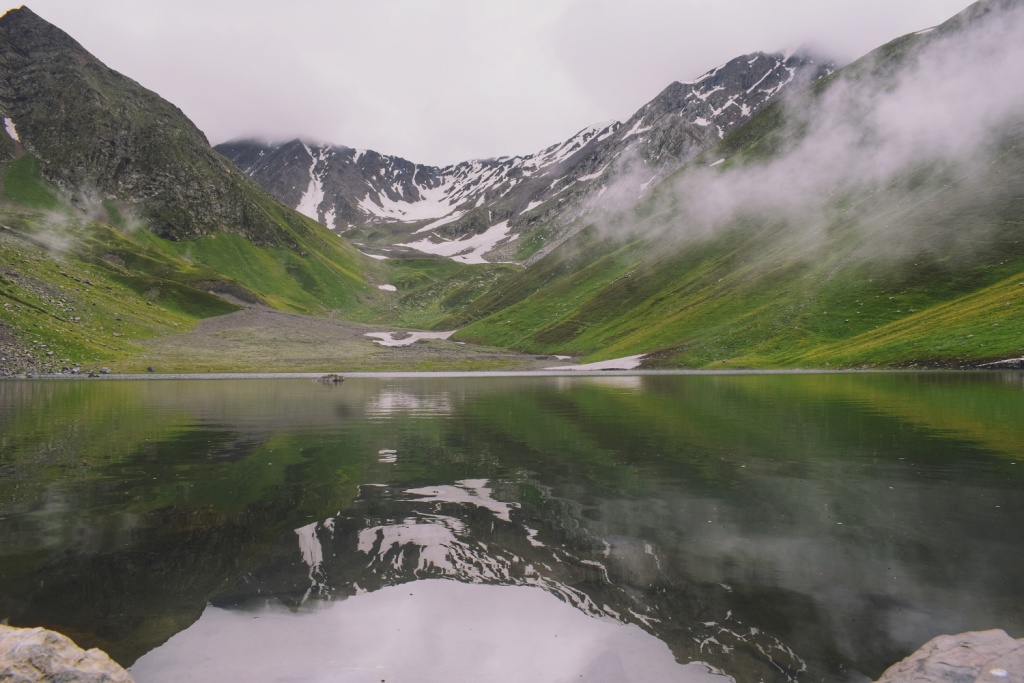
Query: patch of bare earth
pixel 260 339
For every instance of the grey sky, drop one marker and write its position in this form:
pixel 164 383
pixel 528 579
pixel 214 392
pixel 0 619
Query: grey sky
pixel 440 81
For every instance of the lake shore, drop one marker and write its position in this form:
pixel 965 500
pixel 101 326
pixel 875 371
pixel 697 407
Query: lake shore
pixel 559 372
pixel 259 342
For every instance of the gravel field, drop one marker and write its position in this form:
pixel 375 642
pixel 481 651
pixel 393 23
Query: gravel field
pixel 262 340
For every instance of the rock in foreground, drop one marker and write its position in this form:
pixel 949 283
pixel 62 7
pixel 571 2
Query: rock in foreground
pixel 36 654
pixel 973 657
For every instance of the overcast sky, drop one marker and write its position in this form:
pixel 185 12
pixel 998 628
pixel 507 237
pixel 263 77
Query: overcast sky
pixel 441 81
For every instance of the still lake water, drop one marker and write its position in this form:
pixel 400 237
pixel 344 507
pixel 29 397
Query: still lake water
pixel 637 528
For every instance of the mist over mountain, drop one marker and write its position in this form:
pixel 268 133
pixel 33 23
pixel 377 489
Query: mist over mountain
pixel 874 216
pixel 499 199
pixel 945 98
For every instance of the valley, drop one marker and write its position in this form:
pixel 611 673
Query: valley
pixel 776 212
pixel 727 389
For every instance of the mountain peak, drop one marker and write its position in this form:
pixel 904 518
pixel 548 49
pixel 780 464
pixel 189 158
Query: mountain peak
pixel 33 37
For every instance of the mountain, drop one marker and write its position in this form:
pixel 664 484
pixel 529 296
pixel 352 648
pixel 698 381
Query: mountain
pixel 98 134
pixel 875 219
pixel 119 222
pixel 481 204
pixel 871 216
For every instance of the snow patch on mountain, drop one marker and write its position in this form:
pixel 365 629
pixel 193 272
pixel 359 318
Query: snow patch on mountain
pixel 11 129
pixel 626 363
pixel 637 129
pixel 592 176
pixel 433 204
pixel 389 338
pixel 310 203
pixel 443 221
pixel 469 249
pixel 348 188
pixel 559 153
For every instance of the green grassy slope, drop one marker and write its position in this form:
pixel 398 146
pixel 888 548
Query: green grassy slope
pixel 112 185
pixel 89 285
pixel 762 295
pixel 921 266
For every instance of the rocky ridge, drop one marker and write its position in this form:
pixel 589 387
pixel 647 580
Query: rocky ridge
pixel 98 135
pixel 468 209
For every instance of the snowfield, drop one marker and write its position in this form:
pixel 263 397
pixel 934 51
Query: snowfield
pixel 470 249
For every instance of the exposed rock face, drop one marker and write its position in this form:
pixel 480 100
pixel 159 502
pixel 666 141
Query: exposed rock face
pixel 974 657
pixel 345 188
pixel 100 135
pixel 36 654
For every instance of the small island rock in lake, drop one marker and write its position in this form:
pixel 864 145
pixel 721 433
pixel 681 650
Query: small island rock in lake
pixel 36 654
pixel 973 657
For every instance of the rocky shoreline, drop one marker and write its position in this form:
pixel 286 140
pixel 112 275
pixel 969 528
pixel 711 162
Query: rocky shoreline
pixel 972 657
pixel 31 655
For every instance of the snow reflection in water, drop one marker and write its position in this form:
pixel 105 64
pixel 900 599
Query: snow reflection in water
pixel 476 627
pixel 391 402
pixel 432 630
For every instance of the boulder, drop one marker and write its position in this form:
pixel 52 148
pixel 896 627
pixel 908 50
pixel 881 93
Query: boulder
pixel 36 654
pixel 973 657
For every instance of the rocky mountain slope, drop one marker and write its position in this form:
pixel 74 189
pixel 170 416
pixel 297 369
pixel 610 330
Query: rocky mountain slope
pixel 468 209
pixel 97 135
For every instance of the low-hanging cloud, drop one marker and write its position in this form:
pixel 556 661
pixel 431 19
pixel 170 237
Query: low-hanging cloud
pixel 946 106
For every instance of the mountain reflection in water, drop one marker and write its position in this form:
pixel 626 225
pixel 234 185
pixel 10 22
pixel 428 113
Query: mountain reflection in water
pixel 423 631
pixel 776 528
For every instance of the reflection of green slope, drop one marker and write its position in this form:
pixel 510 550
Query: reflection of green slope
pixel 650 492
pixel 679 430
pixel 144 467
pixel 983 410
pixel 68 431
pixel 155 444
pixel 540 425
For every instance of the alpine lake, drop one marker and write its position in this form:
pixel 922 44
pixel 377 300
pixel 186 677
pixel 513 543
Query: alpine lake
pixel 605 527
